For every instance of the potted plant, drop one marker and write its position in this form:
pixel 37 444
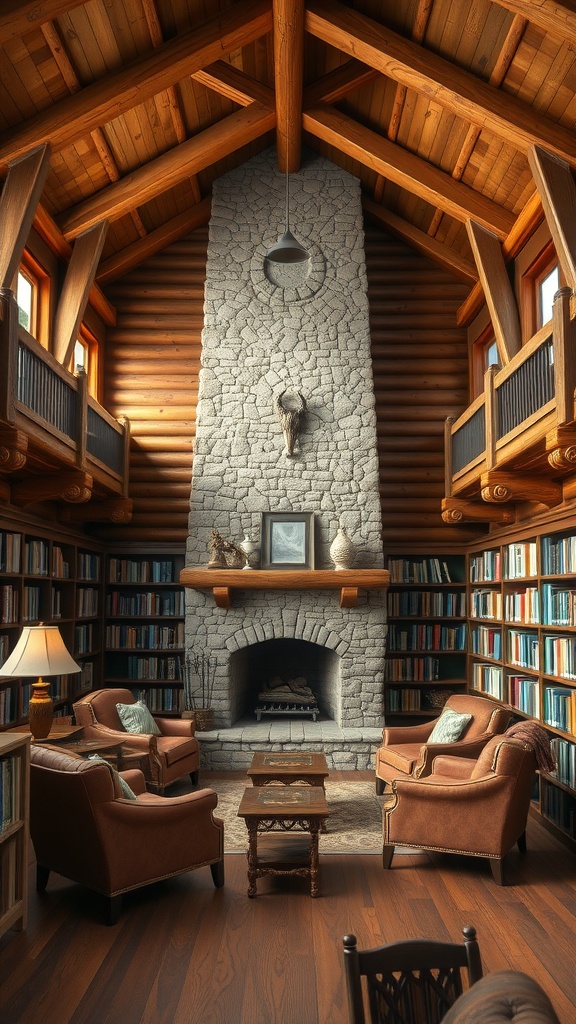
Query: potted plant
pixel 199 672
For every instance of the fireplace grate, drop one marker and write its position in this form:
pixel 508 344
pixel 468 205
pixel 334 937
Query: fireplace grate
pixel 293 710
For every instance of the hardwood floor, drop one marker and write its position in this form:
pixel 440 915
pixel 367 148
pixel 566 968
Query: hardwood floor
pixel 186 953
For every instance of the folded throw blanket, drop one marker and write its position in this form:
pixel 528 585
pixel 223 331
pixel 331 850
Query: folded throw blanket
pixel 538 739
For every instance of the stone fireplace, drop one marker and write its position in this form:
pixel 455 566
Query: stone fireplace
pixel 304 333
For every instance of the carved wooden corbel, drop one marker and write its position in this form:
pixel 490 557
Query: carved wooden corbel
pixel 463 510
pixel 13 449
pixel 73 486
pixel 500 488
pixel 561 448
pixel 111 510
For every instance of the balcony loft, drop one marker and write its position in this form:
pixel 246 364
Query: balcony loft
pixel 517 441
pixel 56 442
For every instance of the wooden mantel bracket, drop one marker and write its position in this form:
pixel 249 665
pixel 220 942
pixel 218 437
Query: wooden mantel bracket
pixel 13 449
pixel 74 486
pixel 223 581
pixel 110 510
pixel 499 487
pixel 463 510
pixel 561 448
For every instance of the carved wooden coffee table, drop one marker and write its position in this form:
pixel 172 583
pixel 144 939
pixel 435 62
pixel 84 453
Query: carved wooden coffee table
pixel 289 769
pixel 283 823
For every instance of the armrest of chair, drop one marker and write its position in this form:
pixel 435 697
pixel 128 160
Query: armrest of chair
pixel 135 779
pixel 176 726
pixel 392 734
pixel 453 767
pixel 133 740
pixel 434 813
pixel 460 748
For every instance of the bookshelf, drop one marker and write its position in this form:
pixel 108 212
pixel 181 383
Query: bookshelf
pixel 14 822
pixel 56 579
pixel 426 643
pixel 522 651
pixel 144 639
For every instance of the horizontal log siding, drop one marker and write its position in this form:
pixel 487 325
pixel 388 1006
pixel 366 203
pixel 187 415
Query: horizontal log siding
pixel 152 363
pixel 420 364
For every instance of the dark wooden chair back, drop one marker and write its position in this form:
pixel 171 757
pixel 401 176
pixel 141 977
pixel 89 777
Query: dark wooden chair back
pixel 411 982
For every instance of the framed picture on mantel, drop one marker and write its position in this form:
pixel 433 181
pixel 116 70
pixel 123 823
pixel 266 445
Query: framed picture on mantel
pixel 287 540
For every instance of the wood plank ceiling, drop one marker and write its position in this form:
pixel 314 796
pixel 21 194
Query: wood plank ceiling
pixel 435 105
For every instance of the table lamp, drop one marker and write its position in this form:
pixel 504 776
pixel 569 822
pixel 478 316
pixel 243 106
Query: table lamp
pixel 40 651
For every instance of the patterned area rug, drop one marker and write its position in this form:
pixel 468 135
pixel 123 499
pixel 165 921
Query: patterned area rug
pixel 354 824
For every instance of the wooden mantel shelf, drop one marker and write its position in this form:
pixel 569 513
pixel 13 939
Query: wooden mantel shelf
pixel 223 581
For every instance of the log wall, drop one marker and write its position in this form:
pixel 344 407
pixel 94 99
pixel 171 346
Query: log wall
pixel 152 361
pixel 420 371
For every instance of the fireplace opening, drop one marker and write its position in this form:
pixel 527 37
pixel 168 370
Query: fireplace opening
pixel 260 666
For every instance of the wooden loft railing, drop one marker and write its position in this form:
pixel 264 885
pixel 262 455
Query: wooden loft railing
pixel 517 440
pixel 63 445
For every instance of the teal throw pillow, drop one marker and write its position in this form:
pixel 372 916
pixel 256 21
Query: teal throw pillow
pixel 449 727
pixel 127 792
pixel 136 718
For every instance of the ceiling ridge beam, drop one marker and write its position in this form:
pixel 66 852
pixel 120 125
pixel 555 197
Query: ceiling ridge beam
pixel 554 17
pixel 169 169
pixel 100 102
pixel 405 169
pixel 455 89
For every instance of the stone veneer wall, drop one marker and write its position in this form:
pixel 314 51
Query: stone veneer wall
pixel 260 339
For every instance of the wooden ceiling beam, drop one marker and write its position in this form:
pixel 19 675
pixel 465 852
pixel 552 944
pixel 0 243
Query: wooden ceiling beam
pixel 557 18
pixel 338 83
pixel 21 16
pixel 462 93
pixel 79 279
pixel 440 254
pixel 169 169
pixel 557 190
pixel 76 116
pixel 288 16
pixel 497 291
pixel 405 169
pixel 134 254
pixel 234 84
pixel 20 197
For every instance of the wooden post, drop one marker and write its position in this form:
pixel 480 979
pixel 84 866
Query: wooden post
pixel 8 354
pixel 125 424
pixel 81 418
pixel 448 422
pixel 491 416
pixel 564 337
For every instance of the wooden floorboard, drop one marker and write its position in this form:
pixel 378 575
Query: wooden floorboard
pixel 186 953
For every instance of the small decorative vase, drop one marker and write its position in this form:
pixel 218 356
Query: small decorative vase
pixel 252 551
pixel 41 710
pixel 342 550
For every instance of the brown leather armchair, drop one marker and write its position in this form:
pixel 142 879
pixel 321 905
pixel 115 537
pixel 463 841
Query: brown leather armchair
pixel 404 750
pixel 165 758
pixel 84 829
pixel 475 807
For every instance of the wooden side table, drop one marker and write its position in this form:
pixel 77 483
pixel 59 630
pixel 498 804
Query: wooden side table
pixel 295 815
pixel 288 769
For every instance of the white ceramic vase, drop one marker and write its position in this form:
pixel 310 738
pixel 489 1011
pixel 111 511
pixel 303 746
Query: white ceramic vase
pixel 342 550
pixel 252 551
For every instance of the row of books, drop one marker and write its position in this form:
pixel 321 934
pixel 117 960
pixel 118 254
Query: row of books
pixel 10 551
pixel 520 560
pixel 87 601
pixel 8 705
pixel 434 603
pixel 32 604
pixel 151 637
pixel 565 755
pixel 36 557
pixel 524 694
pixel 488 679
pixel 558 555
pixel 405 699
pixel 10 604
pixel 154 668
pixel 126 570
pixel 423 637
pixel 60 566
pixel 523 649
pixel 426 570
pixel 88 566
pixel 486 604
pixel 150 602
pixel 415 669
pixel 560 708
pixel 487 642
pixel 84 635
pixel 10 791
pixel 485 567
pixel 558 605
pixel 522 606
pixel 560 807
pixel 560 656
pixel 161 698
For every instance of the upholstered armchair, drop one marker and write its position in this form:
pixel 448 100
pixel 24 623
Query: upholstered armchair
pixel 475 807
pixel 164 758
pixel 405 750
pixel 84 828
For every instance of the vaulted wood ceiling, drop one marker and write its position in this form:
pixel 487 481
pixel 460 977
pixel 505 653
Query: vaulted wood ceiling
pixel 435 105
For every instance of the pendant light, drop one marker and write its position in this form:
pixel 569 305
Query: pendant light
pixel 287 249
